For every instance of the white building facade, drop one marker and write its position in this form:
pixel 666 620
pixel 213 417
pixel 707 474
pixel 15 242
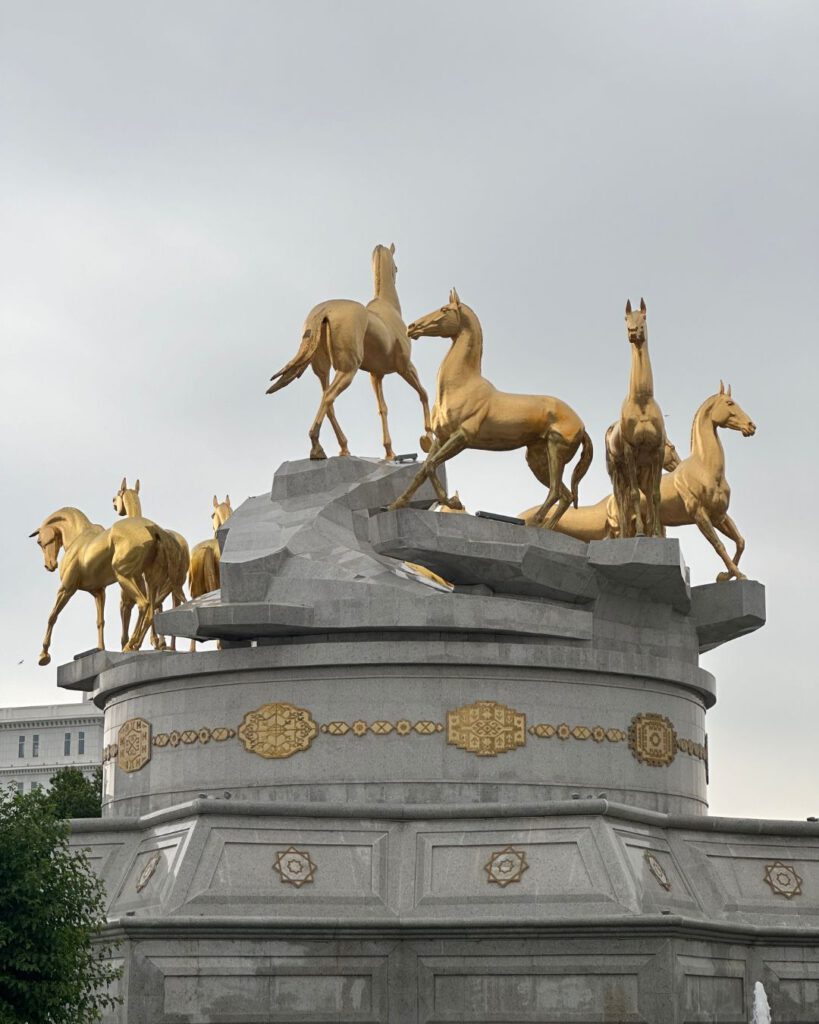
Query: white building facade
pixel 37 741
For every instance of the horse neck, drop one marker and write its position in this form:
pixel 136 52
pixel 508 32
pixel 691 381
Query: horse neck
pixel 131 503
pixel 641 380
pixel 466 352
pixel 384 286
pixel 72 524
pixel 705 442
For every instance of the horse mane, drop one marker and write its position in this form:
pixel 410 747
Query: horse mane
pixel 698 415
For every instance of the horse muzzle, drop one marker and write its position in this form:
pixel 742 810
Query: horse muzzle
pixel 749 430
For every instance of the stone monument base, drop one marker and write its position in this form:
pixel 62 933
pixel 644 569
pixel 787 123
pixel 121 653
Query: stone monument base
pixel 445 769
pixel 574 911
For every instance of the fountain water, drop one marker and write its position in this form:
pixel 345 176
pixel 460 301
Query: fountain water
pixel 762 1011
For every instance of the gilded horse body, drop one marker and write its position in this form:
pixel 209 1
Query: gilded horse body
pixel 204 575
pixel 470 412
pixel 635 444
pixel 694 493
pixel 127 503
pixel 134 553
pixel 346 336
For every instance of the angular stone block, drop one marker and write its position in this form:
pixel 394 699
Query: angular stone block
pixel 652 564
pixel 725 611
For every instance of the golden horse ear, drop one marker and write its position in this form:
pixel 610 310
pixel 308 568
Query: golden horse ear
pixel 642 305
pixel 227 499
pixel 136 486
pixel 628 306
pixel 123 485
pixel 453 298
pixel 729 391
pixel 392 248
pixel 215 502
pixel 721 388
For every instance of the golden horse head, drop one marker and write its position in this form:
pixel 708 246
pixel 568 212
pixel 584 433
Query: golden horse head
pixel 50 539
pixel 636 323
pixel 221 512
pixel 725 412
pixel 441 323
pixel 384 266
pixel 125 492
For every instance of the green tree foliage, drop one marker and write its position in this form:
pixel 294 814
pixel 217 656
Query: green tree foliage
pixel 54 966
pixel 73 794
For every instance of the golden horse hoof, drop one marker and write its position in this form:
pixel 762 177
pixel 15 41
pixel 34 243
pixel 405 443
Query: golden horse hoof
pixel 44 659
pixel 455 503
pixel 317 452
pixel 426 443
pixel 345 451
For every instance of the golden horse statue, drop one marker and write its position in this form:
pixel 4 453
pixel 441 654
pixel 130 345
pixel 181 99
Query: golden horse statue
pixel 203 577
pixel 127 503
pixel 135 553
pixel 470 413
pixel 635 444
pixel 601 520
pixel 347 336
pixel 694 493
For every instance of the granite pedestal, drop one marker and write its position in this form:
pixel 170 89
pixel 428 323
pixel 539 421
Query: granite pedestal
pixel 444 769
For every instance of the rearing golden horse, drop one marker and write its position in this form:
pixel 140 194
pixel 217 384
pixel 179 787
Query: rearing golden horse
pixel 346 336
pixel 469 412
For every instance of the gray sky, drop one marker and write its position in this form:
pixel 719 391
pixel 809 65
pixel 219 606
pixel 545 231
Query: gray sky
pixel 180 183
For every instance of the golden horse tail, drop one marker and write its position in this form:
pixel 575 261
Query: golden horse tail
pixel 310 340
pixel 582 466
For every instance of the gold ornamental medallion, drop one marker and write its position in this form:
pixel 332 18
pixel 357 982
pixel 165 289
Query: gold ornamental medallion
pixel 486 728
pixel 277 730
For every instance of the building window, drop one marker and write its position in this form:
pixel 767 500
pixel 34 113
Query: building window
pixel 80 742
pixel 36 785
pixel 21 746
pixel 35 745
pixel 67 745
pixel 19 786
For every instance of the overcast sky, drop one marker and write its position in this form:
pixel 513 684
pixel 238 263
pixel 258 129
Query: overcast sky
pixel 181 182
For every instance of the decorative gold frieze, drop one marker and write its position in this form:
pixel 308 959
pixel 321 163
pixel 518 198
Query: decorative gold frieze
pixel 652 739
pixel 486 728
pixel 699 750
pixel 656 868
pixel 506 866
pixel 598 733
pixel 295 867
pixel 783 879
pixel 109 752
pixel 277 730
pixel 403 727
pixel 134 744
pixel 189 736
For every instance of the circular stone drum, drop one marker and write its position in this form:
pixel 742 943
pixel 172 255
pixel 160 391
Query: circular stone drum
pixel 417 718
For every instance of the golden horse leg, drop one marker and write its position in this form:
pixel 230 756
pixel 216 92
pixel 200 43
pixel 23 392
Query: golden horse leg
pixel 707 529
pixel 728 527
pixel 341 382
pixel 650 486
pixel 63 597
pixel 556 465
pixel 99 597
pixel 410 375
pixel 378 388
pixel 634 504
pixel 451 447
pixel 132 588
pixel 324 379
pixel 125 607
